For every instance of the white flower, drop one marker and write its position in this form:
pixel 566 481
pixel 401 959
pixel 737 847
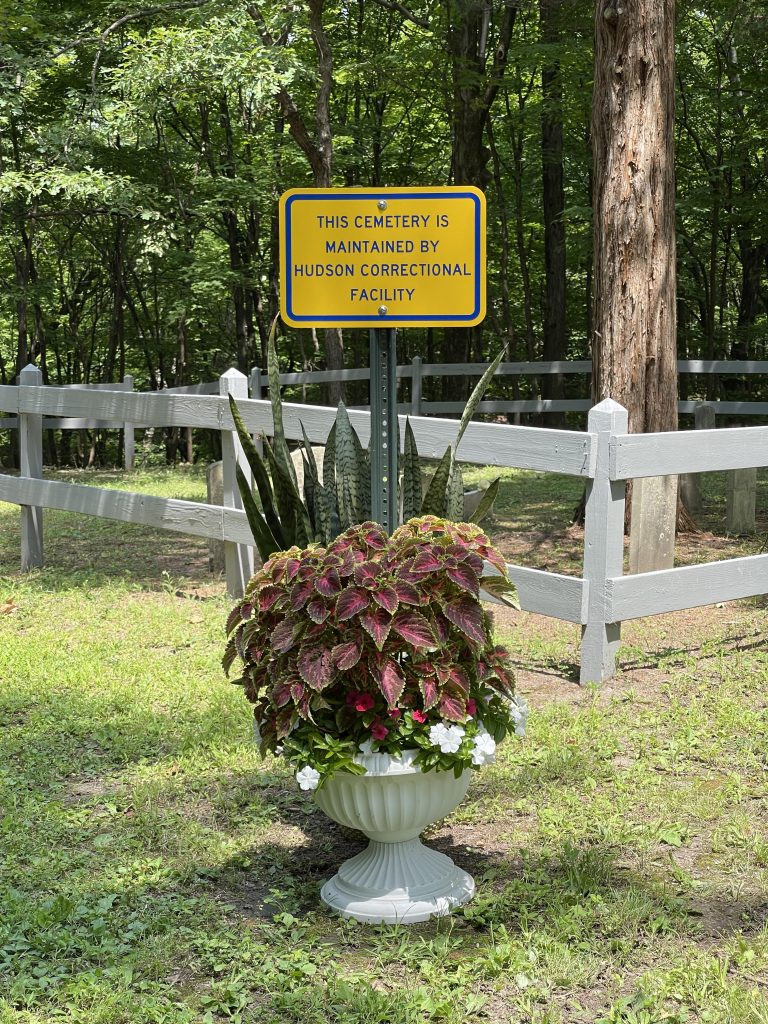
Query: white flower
pixel 308 778
pixel 447 737
pixel 484 750
pixel 518 709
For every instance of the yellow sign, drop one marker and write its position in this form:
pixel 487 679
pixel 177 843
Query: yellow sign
pixel 382 257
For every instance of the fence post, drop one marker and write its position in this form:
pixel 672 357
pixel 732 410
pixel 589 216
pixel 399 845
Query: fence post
pixel 129 434
pixel 254 382
pixel 31 465
pixel 416 386
pixel 238 558
pixel 690 483
pixel 603 546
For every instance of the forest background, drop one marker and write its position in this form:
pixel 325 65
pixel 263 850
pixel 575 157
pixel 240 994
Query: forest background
pixel 143 150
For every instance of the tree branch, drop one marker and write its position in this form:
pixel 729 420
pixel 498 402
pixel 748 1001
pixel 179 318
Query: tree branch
pixel 148 12
pixel 500 54
pixel 393 5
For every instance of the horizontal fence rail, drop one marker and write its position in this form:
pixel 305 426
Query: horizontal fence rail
pixel 605 456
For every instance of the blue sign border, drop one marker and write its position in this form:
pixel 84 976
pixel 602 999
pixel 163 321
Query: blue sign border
pixel 372 318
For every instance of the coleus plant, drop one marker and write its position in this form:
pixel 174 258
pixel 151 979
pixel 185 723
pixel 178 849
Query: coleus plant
pixel 377 644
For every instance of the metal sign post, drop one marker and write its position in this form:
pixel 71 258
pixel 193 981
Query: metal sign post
pixel 383 258
pixel 384 447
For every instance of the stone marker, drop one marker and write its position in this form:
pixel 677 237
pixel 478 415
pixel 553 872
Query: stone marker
pixel 654 515
pixel 214 476
pixel 741 489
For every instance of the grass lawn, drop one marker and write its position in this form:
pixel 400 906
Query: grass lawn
pixel 153 869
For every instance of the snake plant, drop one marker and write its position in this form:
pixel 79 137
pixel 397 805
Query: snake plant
pixel 281 517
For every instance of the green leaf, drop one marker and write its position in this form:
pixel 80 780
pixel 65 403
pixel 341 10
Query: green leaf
pixel 486 502
pixel 477 394
pixel 434 503
pixel 454 494
pixel 412 490
pixel 280 445
pixel 349 488
pixel 261 478
pixel 262 535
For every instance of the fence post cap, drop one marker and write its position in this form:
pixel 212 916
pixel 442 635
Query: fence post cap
pixel 233 374
pixel 608 405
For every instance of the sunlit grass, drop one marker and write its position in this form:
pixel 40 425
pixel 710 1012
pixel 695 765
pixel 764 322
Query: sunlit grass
pixel 153 869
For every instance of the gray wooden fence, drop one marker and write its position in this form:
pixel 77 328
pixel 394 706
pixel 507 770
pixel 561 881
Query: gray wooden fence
pixel 605 456
pixel 92 423
pixel 417 371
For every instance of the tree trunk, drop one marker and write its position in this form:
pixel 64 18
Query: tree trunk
pixel 634 359
pixel 634 316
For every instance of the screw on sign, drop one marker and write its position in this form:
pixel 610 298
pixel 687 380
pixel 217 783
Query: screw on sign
pixel 384 259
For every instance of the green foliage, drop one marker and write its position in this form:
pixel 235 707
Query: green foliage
pixel 287 518
pixel 376 640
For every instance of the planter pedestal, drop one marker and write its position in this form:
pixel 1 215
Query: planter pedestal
pixel 397 882
pixel 396 879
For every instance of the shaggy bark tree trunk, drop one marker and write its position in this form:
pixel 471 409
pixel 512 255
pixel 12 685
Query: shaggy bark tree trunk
pixel 634 323
pixel 634 317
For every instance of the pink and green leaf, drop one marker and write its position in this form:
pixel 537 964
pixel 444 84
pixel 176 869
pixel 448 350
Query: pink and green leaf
pixel 377 623
pixel 350 603
pixel 315 666
pixel 347 655
pixel 389 678
pixel 415 630
pixel 467 615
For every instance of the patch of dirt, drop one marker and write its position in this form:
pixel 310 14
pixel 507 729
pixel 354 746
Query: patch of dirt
pixel 81 791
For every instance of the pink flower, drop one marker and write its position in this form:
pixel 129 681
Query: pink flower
pixel 419 716
pixel 379 730
pixel 360 701
pixel 471 706
pixel 395 712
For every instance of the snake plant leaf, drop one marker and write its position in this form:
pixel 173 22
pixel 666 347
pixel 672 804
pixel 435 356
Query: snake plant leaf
pixel 364 479
pixel 477 394
pixel 348 483
pixel 263 537
pixel 486 502
pixel 260 476
pixel 329 460
pixel 412 489
pixel 454 494
pixel 327 513
pixel 281 486
pixel 310 486
pixel 279 444
pixel 434 500
pixel 309 453
pixel 293 513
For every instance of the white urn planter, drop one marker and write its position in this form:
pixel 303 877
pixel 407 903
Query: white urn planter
pixel 396 879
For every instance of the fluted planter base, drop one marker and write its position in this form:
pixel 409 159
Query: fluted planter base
pixel 397 883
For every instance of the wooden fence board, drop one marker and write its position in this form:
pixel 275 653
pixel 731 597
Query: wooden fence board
pixel 652 593
pixel 545 593
pixel 688 451
pixel 493 444
pixel 164 513
pixel 149 408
